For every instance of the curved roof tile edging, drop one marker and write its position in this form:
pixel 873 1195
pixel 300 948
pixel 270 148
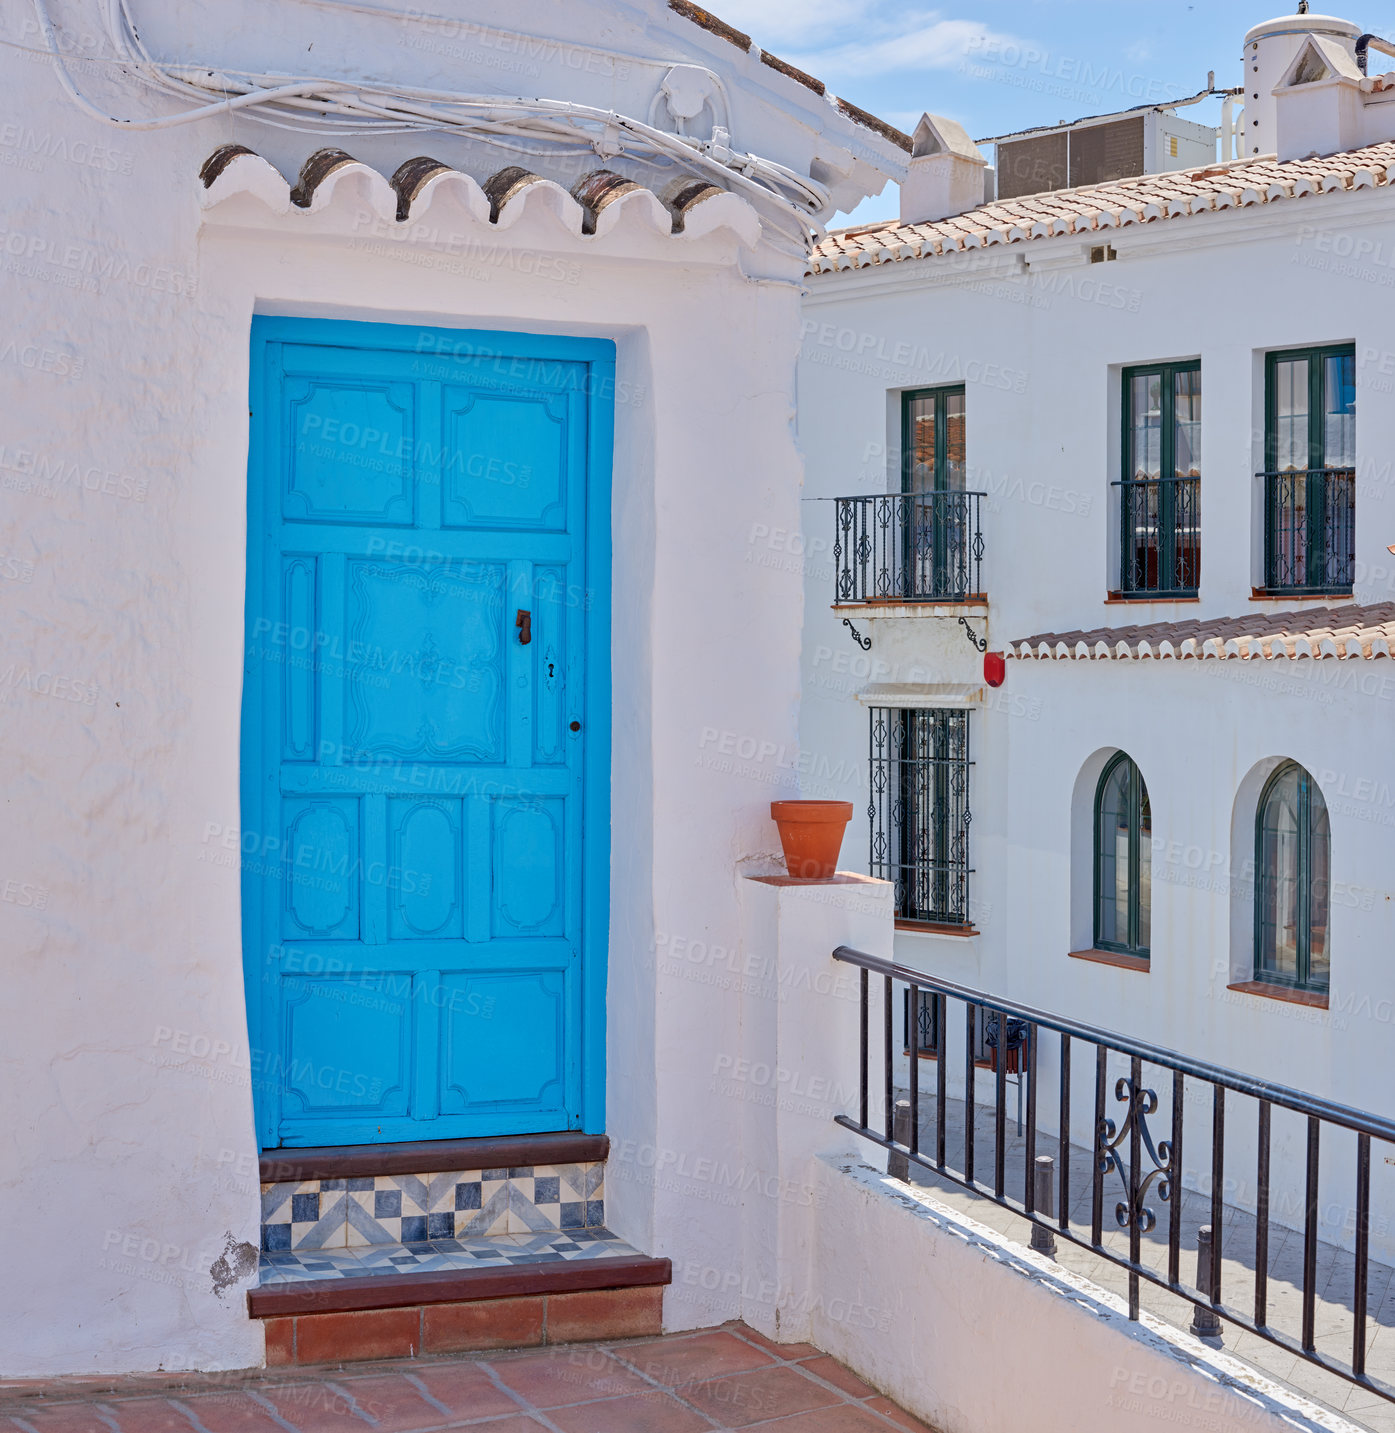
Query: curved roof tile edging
pixel 599 202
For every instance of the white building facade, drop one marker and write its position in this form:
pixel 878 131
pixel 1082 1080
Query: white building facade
pixel 1097 631
pixel 289 880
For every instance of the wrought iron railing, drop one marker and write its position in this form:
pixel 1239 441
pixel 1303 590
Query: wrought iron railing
pixel 1160 546
pixel 1124 1148
pixel 1309 530
pixel 909 547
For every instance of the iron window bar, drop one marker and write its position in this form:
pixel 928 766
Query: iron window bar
pixel 1141 1180
pixel 1160 482
pixel 919 810
pixel 909 547
pixel 1161 536
pixel 1309 530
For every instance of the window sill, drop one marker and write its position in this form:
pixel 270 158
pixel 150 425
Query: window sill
pixel 967 599
pixel 1120 598
pixel 935 928
pixel 1317 999
pixel 1268 594
pixel 1112 957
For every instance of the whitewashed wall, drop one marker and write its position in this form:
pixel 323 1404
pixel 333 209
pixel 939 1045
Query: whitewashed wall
pixel 130 1160
pixel 1040 349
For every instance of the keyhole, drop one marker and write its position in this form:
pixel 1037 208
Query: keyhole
pixel 549 669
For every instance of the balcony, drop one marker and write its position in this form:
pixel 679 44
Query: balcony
pixel 1161 541
pixel 909 547
pixel 1309 531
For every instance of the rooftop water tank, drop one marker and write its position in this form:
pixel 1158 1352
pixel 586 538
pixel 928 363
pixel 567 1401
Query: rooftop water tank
pixel 1270 49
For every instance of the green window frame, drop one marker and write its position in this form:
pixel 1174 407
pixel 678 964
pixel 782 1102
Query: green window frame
pixel 1123 877
pixel 942 408
pixel 1310 470
pixel 1160 480
pixel 1293 866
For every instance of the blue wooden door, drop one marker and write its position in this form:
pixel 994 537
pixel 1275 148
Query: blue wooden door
pixel 425 732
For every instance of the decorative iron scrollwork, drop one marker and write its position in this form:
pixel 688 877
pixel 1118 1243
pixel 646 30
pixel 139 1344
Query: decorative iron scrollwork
pixel 980 642
pixel 1141 1103
pixel 864 642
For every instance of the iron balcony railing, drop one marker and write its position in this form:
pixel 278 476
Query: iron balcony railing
pixel 1123 1149
pixel 1309 530
pixel 1161 538
pixel 909 547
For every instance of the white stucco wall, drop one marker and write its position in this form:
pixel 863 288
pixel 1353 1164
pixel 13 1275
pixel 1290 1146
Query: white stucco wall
pixel 130 1160
pixel 1039 335
pixel 976 1335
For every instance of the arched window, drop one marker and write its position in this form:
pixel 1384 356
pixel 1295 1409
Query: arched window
pixel 1123 860
pixel 1293 865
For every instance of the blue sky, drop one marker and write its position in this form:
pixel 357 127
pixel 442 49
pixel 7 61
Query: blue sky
pixel 1010 64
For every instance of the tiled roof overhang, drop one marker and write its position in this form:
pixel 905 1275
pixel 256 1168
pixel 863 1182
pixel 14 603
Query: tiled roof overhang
pixel 1341 632
pixel 688 207
pixel 1098 209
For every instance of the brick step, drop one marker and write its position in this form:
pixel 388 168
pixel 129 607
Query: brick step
pixel 409 1309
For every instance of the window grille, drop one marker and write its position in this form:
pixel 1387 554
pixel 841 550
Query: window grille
pixel 920 811
pixel 1160 489
pixel 1310 471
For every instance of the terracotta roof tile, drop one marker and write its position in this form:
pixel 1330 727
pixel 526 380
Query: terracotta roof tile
pixel 1351 631
pixel 1148 198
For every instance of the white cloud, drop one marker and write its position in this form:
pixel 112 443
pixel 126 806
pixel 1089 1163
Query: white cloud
pixel 858 37
pixel 935 45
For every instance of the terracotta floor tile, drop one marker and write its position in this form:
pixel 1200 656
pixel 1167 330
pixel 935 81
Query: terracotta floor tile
pixel 788 1352
pixel 230 1413
pixel 391 1402
pixel 313 1408
pixel 553 1378
pixel 897 1415
pixel 841 1418
pixel 833 1372
pixel 754 1397
pixel 690 1358
pixel 465 1388
pixel 75 1418
pixel 518 1423
pixel 638 1413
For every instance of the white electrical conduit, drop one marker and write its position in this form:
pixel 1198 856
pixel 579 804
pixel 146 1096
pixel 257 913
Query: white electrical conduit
pixel 307 103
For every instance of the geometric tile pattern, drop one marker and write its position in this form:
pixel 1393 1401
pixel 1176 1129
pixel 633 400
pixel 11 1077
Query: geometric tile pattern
pixel 439 1255
pixel 414 1208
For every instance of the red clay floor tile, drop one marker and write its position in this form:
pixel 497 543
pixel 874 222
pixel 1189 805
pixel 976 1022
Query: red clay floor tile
pixel 787 1352
pixel 554 1377
pixel 70 1418
pixel 897 1415
pixel 715 1379
pixel 230 1413
pixel 391 1402
pixel 690 1358
pixel 833 1372
pixel 313 1407
pixel 637 1413
pixel 754 1397
pixel 465 1388
pixel 841 1418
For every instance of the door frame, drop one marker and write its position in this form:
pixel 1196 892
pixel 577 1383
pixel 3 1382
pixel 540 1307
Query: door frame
pixel 266 1056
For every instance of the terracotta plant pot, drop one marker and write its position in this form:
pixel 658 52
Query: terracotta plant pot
pixel 811 835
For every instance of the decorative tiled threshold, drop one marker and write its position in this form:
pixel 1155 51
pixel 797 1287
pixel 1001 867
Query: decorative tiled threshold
pixel 390 1209
pixel 495 1251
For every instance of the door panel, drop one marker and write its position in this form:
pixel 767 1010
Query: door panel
pixel 424 923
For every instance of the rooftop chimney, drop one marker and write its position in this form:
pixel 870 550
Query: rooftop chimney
pixel 945 175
